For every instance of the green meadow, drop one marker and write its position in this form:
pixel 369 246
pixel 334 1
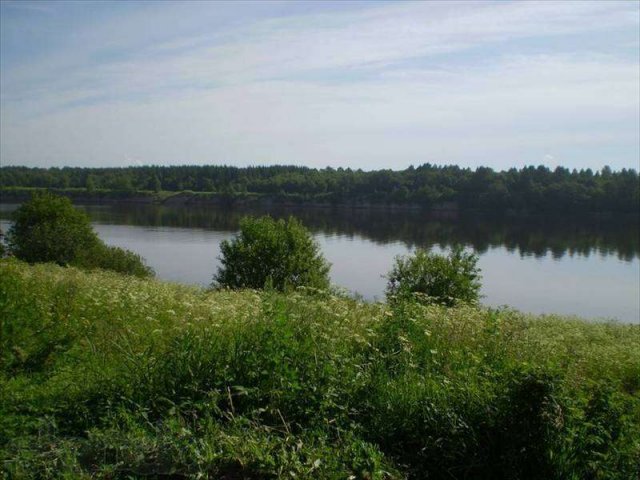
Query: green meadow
pixel 110 376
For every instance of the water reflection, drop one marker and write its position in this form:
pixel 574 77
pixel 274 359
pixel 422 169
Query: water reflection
pixel 584 266
pixel 530 236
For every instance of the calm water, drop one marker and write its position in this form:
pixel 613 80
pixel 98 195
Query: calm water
pixel 588 267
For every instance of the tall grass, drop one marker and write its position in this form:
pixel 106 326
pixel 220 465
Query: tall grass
pixel 111 376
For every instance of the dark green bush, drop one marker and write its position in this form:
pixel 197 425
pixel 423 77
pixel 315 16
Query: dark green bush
pixel 117 259
pixel 275 253
pixel 433 278
pixel 49 229
pixel 603 442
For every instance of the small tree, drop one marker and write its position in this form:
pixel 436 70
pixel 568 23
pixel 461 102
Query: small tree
pixel 90 183
pixel 49 229
pixel 156 183
pixel 432 278
pixel 268 252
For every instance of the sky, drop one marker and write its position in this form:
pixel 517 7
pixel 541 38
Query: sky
pixel 344 84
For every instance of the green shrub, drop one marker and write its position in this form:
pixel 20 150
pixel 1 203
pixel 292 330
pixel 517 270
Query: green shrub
pixel 49 229
pixel 276 253
pixel 434 278
pixel 118 259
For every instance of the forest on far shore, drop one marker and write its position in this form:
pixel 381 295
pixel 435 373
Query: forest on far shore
pixel 529 189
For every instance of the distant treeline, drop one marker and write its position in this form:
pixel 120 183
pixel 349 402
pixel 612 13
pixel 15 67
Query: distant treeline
pixel 530 189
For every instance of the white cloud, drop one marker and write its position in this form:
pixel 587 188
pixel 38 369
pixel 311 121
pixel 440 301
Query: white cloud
pixel 335 89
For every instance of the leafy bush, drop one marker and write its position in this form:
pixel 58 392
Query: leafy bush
pixel 277 253
pixel 49 229
pixel 434 278
pixel 118 259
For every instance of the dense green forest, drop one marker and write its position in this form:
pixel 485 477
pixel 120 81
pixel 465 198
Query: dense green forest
pixel 531 189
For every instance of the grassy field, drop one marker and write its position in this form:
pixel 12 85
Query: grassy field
pixel 108 376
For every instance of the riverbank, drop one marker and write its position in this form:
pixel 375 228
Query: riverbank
pixel 247 200
pixel 107 376
pixel 236 200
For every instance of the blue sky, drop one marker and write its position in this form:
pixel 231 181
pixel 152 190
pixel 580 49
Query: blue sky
pixel 351 84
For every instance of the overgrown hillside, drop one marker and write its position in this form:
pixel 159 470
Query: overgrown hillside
pixel 108 376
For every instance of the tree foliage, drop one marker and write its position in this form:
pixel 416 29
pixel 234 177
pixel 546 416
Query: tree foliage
pixel 49 229
pixel 530 189
pixel 433 278
pixel 108 257
pixel 275 253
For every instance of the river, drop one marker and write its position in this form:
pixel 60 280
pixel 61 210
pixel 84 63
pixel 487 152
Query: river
pixel 587 266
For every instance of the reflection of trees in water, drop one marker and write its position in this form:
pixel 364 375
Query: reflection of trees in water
pixel 536 236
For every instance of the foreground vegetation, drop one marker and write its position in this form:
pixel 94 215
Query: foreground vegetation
pixel 111 376
pixel 530 189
